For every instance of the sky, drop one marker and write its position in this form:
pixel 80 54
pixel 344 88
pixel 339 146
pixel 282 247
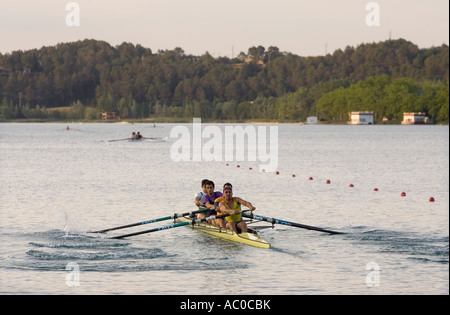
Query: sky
pixel 224 27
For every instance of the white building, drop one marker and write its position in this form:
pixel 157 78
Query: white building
pixel 311 120
pixel 414 119
pixel 361 118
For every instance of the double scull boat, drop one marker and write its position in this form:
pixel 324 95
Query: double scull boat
pixel 251 237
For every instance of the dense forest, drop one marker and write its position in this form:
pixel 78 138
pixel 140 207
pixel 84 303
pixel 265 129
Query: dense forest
pixel 91 76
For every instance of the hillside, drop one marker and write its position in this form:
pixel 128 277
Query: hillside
pixel 93 76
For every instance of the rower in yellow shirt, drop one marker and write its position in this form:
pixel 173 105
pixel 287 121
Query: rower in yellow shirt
pixel 231 204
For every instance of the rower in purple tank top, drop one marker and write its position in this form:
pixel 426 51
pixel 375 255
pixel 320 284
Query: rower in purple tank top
pixel 208 201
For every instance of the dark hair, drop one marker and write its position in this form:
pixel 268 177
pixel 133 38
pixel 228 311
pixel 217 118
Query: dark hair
pixel 210 182
pixel 227 184
pixel 204 182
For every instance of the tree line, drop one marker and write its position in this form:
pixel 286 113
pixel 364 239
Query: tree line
pixel 92 76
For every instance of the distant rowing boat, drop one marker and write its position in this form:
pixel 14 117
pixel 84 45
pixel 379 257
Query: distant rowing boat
pixel 136 139
pixel 249 238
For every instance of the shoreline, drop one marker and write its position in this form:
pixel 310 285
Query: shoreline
pixel 187 121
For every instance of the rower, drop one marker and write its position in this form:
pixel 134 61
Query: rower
pixel 133 136
pixel 138 135
pixel 208 200
pixel 198 199
pixel 232 205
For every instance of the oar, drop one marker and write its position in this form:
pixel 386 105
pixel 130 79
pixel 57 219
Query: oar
pixel 152 138
pixel 149 221
pixel 120 139
pixel 175 225
pixel 278 221
pixel 143 138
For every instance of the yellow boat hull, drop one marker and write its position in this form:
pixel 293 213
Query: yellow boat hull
pixel 243 238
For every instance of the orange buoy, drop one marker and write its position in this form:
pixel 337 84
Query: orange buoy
pixel 328 181
pixel 403 194
pixel 277 173
pixel 375 189
pixel 351 185
pixel 431 199
pixel 250 168
pixel 238 166
pixel 293 175
pixel 310 178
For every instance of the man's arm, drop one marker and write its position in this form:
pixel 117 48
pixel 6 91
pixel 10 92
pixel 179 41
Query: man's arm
pixel 224 210
pixel 248 204
pixel 209 205
pixel 197 201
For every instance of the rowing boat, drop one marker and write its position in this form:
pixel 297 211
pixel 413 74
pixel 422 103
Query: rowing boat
pixel 249 238
pixel 136 139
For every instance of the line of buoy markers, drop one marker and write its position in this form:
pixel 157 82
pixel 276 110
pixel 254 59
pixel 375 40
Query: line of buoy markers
pixel 402 194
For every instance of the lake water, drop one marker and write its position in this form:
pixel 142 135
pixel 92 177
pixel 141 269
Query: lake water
pixel 55 185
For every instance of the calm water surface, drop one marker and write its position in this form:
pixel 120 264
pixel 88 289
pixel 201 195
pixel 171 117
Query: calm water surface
pixel 55 185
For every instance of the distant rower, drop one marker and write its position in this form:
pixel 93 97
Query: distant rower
pixel 136 136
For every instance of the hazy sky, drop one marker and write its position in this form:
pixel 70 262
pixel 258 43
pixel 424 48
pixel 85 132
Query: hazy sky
pixel 298 26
